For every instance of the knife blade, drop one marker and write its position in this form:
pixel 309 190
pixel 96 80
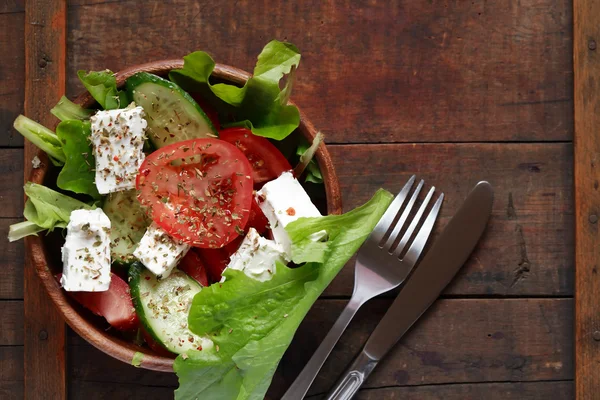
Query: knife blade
pixel 441 263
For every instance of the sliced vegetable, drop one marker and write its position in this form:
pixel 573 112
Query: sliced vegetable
pixel 260 104
pixel 257 219
pixel 128 225
pixel 216 260
pixel 102 85
pixel 199 191
pixel 193 265
pixel 173 115
pixel 77 175
pixel 42 137
pixel 162 307
pixel 253 322
pixel 267 162
pixel 115 304
pixel 65 110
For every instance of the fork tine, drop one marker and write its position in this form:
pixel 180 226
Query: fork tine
pixel 413 225
pixel 403 217
pixel 390 214
pixel 416 248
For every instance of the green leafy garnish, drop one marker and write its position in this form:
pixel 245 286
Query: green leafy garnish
pixel 45 209
pixel 78 174
pixel 252 323
pixel 102 85
pixel 42 137
pixel 137 359
pixel 65 109
pixel 307 163
pixel 260 104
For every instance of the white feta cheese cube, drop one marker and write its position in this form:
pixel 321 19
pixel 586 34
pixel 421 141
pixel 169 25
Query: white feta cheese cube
pixel 86 253
pixel 159 252
pixel 118 139
pixel 257 256
pixel 284 200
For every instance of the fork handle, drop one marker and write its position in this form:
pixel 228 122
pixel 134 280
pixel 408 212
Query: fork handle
pixel 302 383
pixel 349 383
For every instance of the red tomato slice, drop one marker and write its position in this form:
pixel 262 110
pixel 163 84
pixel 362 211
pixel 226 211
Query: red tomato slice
pixel 193 265
pixel 216 260
pixel 257 219
pixel 199 191
pixel 115 304
pixel 266 160
pixel 210 112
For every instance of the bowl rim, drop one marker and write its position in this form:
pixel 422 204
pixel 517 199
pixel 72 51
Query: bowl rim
pixel 114 346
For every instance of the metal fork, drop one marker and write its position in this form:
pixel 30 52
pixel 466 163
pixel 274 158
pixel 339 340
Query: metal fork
pixel 378 269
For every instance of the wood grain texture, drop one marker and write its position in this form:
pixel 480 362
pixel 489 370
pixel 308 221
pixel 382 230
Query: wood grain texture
pixel 11 183
pixel 11 372
pixel 45 63
pixel 528 247
pixel 11 264
pixel 488 391
pixel 12 71
pixel 587 197
pixel 457 341
pixel 11 323
pixel 371 71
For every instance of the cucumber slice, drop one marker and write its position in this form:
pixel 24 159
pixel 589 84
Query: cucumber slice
pixel 163 307
pixel 128 225
pixel 172 113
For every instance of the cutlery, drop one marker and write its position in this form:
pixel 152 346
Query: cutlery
pixel 446 256
pixel 378 269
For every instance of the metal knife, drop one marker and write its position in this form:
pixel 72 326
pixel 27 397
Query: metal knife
pixel 447 255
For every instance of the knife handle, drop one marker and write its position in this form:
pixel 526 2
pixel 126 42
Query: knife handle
pixel 353 378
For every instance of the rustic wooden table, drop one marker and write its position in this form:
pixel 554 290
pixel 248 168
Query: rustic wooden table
pixel 455 92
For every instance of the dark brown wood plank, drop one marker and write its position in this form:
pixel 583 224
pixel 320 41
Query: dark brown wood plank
pixel 488 391
pixel 491 391
pixel 12 71
pixel 11 264
pixel 587 197
pixel 405 72
pixel 457 341
pixel 11 183
pixel 528 247
pixel 45 63
pixel 11 323
pixel 12 7
pixel 11 372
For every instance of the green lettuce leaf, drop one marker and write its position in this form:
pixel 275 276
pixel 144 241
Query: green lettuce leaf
pixel 78 174
pixel 42 137
pixel 252 323
pixel 45 209
pixel 102 85
pixel 260 104
pixel 307 164
pixel 65 109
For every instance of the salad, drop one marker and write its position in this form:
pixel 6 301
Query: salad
pixel 187 219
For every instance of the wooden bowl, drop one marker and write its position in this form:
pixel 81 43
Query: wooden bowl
pixel 92 328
